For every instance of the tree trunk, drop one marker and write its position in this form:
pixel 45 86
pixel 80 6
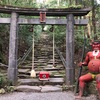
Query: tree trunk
pixel 93 20
pixel 78 2
pixel 58 2
pixel 70 1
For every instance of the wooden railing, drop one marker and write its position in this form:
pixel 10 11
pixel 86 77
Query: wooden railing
pixel 61 56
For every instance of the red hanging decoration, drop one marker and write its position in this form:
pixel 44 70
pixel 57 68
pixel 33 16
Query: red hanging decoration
pixel 42 17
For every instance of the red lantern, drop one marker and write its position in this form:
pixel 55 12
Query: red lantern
pixel 42 17
pixel 94 65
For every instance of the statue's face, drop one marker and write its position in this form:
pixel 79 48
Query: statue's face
pixel 96 46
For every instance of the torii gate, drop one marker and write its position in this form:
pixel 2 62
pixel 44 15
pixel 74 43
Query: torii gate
pixel 69 21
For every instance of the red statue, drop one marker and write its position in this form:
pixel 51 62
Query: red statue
pixel 92 60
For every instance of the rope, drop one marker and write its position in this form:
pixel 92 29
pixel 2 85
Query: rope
pixel 53 48
pixel 33 52
pixel 33 73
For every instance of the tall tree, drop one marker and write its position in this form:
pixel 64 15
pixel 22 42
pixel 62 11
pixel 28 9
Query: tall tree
pixel 93 19
pixel 70 2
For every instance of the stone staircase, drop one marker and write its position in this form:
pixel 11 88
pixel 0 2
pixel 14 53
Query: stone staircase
pixel 43 62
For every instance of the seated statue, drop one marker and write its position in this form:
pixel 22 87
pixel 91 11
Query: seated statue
pixel 92 60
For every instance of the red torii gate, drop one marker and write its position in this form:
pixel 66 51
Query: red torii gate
pixel 69 22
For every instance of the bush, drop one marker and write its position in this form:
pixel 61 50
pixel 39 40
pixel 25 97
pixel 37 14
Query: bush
pixel 5 85
pixel 2 81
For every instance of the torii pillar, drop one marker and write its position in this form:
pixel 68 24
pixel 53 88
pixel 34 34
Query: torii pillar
pixel 70 70
pixel 13 48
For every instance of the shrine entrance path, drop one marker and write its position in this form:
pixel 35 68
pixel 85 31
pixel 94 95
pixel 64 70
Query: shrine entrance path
pixel 43 96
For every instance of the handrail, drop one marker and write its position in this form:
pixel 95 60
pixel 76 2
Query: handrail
pixel 61 56
pixel 20 61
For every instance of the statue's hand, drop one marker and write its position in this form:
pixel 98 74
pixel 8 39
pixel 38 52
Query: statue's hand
pixel 80 64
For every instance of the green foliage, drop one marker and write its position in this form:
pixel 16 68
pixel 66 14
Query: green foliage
pixel 75 6
pixel 2 91
pixel 4 38
pixel 2 81
pixel 20 3
pixel 49 4
pixel 59 34
pixel 35 4
pixel 27 36
pixel 79 40
pixel 9 88
pixel 5 85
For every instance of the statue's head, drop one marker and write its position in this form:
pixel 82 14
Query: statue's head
pixel 96 45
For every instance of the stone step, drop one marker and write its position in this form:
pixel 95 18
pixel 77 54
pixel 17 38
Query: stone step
pixel 57 76
pixel 58 60
pixel 40 61
pixel 26 67
pixel 43 53
pixel 62 72
pixel 57 66
pixel 42 57
pixel 52 69
pixel 37 61
pixel 40 64
pixel 23 76
pixel 52 73
pixel 29 81
pixel 27 88
pixel 56 57
pixel 23 70
pixel 46 88
pixel 44 48
pixel 33 81
pixel 55 60
pixel 29 66
pixel 49 88
pixel 50 62
pixel 35 67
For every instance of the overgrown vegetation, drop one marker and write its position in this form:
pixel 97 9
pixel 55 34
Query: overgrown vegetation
pixel 5 85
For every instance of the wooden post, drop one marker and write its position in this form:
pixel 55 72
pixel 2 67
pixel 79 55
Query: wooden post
pixel 13 48
pixel 70 70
